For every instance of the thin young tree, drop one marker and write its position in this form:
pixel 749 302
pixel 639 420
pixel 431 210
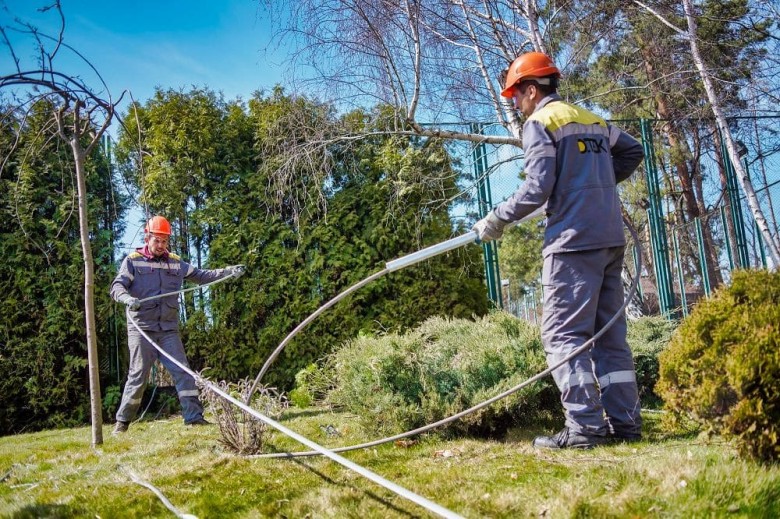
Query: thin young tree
pixel 690 34
pixel 80 118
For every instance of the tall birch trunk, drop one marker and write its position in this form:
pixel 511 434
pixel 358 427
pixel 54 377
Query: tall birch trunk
pixel 771 242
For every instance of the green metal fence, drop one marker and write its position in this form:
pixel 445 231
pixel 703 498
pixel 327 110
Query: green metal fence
pixel 695 225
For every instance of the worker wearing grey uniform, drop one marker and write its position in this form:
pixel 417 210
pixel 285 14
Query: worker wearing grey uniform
pixel 146 272
pixel 573 161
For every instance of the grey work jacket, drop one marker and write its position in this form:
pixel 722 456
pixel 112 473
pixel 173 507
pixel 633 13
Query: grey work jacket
pixel 573 161
pixel 142 277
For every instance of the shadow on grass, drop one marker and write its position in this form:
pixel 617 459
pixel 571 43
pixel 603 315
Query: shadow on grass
pixel 652 429
pixel 37 511
pixel 294 413
pixel 542 423
pixel 368 493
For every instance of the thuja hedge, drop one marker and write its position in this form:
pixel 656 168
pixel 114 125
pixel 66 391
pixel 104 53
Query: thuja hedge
pixel 648 337
pixel 721 371
pixel 399 382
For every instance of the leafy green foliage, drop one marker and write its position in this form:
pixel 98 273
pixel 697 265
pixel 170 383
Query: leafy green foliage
pixel 307 237
pixel 444 366
pixel 311 385
pixel 722 369
pixel 43 359
pixel 648 337
pixel 398 382
pixel 178 150
pixel 640 54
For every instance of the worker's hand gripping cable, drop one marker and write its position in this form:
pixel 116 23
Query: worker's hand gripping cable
pixel 131 302
pixel 490 228
pixel 237 270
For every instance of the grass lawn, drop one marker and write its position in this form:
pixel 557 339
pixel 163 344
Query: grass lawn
pixel 57 474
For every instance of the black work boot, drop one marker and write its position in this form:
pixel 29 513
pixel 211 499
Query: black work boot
pixel 120 427
pixel 619 437
pixel 568 439
pixel 198 421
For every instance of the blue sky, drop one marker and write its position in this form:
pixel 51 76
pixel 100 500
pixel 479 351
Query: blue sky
pixel 136 46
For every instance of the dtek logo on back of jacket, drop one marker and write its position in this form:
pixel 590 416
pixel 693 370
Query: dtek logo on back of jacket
pixel 587 145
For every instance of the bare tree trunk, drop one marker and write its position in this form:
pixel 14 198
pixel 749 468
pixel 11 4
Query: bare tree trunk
pixel 95 399
pixel 689 180
pixel 71 98
pixel 532 15
pixel 729 205
pixel 772 244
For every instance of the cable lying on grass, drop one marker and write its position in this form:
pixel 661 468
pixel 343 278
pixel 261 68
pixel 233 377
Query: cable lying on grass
pixel 332 454
pixel 164 500
pixel 376 478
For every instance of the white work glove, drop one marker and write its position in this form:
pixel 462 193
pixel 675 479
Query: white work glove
pixel 237 270
pixel 131 302
pixel 489 228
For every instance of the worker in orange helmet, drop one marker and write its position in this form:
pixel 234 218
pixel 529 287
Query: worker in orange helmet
pixel 150 271
pixel 573 162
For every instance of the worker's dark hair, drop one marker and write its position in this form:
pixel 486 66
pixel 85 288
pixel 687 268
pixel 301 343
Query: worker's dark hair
pixel 544 89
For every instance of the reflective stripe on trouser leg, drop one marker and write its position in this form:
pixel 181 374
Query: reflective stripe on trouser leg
pixel 612 357
pixel 191 408
pixel 571 282
pixel 142 356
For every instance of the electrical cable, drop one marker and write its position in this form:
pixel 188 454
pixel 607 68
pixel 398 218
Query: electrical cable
pixel 506 393
pixel 332 453
pixel 136 479
pixel 306 321
pixel 390 266
pixel 372 476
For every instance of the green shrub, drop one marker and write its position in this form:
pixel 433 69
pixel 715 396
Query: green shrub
pixel 112 397
pixel 721 371
pixel 311 385
pixel 401 382
pixel 648 337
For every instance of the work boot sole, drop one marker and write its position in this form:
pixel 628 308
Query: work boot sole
pixel 554 446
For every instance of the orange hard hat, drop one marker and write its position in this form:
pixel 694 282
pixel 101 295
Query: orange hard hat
pixel 527 66
pixel 158 225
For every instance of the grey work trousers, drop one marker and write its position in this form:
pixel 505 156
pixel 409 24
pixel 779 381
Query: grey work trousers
pixel 142 356
pixel 582 291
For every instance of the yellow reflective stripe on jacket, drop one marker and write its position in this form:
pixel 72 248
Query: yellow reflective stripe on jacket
pixel 559 113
